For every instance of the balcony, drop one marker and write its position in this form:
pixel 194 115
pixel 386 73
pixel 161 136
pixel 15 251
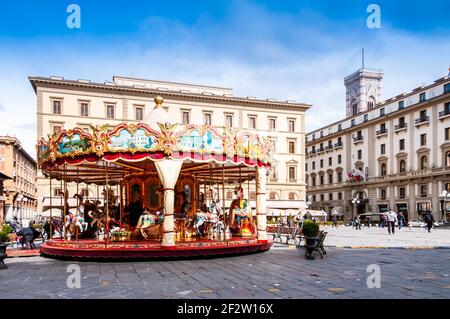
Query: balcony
pixel 443 114
pixel 312 152
pixel 358 139
pixel 400 127
pixel 338 145
pixel 382 132
pixel 321 149
pixel 328 148
pixel 422 120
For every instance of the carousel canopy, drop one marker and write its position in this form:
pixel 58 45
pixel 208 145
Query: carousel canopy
pixel 113 153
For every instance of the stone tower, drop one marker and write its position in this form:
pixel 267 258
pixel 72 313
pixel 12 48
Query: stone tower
pixel 363 90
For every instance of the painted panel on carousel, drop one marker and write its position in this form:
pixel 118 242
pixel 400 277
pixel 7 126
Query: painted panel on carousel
pixel 204 143
pixel 44 152
pixel 73 144
pixel 138 140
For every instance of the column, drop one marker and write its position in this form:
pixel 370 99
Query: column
pixel 261 219
pixel 168 171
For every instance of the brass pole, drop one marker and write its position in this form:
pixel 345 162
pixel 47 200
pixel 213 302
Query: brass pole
pixel 51 208
pixel 107 204
pixel 223 188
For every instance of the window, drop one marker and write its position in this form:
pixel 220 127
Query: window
pixel 339 127
pixel 330 178
pixel 321 163
pixel 423 139
pixel 274 173
pixel 383 169
pixel 252 122
pixel 322 197
pixel 339 196
pixel 354 109
pixel 56 106
pixel 84 109
pixel 139 113
pixel 447 159
pixel 110 111
pixel 313 180
pixel 402 166
pixel 423 115
pixel 229 120
pixel 339 159
pixel 422 97
pixel 186 117
pixel 207 119
pixel 291 147
pixel 447 133
pixel 423 191
pixel 57 129
pixel 291 196
pixel 353 123
pixel 382 193
pixel 291 125
pixel 273 144
pixel 423 162
pixel 382 112
pixel 330 161
pixel 313 165
pixel 401 105
pixel 314 198
pixel 366 117
pixel 359 154
pixel 339 177
pixel 447 88
pixel 292 175
pixel 272 124
pixel 401 144
pixel 330 196
pixel 306 167
pixel 402 192
pixel 383 149
pixel 321 179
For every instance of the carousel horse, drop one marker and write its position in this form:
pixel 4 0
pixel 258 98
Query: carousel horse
pixel 241 218
pixel 209 221
pixel 148 222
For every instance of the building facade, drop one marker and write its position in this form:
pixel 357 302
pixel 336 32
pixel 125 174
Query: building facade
pixel 20 190
pixel 64 104
pixel 392 154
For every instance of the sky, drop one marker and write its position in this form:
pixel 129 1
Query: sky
pixel 290 50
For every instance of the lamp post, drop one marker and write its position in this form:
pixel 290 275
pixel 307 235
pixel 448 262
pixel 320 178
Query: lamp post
pixel 444 195
pixel 355 202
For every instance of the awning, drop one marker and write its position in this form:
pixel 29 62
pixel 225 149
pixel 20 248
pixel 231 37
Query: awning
pixel 314 213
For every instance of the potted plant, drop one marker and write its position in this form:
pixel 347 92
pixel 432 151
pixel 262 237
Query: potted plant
pixel 310 231
pixel 3 244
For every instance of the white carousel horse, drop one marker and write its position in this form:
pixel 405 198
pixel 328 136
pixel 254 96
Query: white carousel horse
pixel 211 219
pixel 147 221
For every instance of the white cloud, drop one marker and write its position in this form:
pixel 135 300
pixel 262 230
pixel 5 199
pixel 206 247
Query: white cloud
pixel 254 51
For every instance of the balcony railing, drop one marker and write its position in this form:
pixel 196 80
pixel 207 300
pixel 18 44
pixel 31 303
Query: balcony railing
pixel 444 112
pixel 358 138
pixel 321 149
pixel 329 147
pixel 312 152
pixel 382 131
pixel 338 144
pixel 422 119
pixel 400 126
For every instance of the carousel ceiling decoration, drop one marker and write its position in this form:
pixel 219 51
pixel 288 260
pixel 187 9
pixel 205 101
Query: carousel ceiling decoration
pixel 138 142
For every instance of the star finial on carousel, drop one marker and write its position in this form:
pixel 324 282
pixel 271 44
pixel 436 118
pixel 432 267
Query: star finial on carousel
pixel 158 101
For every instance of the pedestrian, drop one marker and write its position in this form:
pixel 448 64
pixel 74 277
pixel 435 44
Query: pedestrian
pixel 368 221
pixel 429 220
pixel 334 221
pixel 358 222
pixel 382 220
pixel 401 220
pixel 391 218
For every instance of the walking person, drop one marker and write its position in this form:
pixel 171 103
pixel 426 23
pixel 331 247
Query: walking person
pixel 334 221
pixel 358 222
pixel 391 218
pixel 429 220
pixel 401 220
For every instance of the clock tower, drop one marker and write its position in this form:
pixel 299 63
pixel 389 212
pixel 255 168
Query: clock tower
pixel 362 90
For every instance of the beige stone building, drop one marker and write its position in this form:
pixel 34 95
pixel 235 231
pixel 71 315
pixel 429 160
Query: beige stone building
pixel 398 151
pixel 20 190
pixel 67 104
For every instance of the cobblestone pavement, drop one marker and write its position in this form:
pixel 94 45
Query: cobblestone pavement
pixel 379 237
pixel 282 272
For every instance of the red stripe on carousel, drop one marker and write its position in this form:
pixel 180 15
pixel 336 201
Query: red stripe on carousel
pixel 168 189
pixel 260 193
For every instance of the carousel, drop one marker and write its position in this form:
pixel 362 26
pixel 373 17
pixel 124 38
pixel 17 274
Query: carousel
pixel 160 190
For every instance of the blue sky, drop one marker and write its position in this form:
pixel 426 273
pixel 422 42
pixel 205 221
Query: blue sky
pixel 282 49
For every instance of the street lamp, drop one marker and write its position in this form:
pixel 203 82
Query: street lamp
pixel 355 202
pixel 444 196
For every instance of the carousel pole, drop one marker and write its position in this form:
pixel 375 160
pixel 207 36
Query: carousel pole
pixel 121 201
pixel 261 219
pixel 223 189
pixel 194 200
pixel 107 204
pixel 65 195
pixel 51 208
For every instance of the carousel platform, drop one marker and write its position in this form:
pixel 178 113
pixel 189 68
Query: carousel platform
pixel 97 249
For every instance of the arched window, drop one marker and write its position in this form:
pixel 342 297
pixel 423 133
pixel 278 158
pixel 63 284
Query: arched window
pixel 291 196
pixel 370 103
pixel 354 109
pixel 423 162
pixel 447 158
pixel 383 169
pixel 272 195
pixel 402 166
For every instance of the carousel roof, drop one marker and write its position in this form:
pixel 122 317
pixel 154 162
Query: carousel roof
pixel 206 151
